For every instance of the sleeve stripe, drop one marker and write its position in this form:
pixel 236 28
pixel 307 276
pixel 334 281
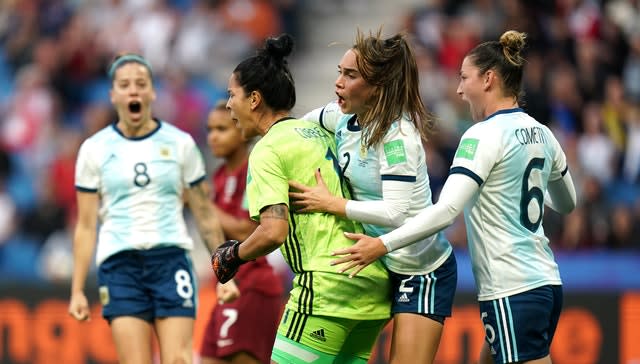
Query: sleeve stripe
pixel 566 169
pixel 320 119
pixel 84 189
pixel 468 173
pixel 191 184
pixel 391 177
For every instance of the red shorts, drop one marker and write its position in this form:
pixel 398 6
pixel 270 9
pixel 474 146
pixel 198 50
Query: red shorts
pixel 248 324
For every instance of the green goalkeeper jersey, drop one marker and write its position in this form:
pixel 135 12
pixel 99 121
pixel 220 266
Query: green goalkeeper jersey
pixel 292 150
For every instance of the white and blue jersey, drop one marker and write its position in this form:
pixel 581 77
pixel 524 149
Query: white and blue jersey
pixel 512 157
pixel 140 182
pixel 400 157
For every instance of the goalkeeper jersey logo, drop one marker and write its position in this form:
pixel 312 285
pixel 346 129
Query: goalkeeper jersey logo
pixel 318 335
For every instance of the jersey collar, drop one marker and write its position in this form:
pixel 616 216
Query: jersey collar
pixel 352 123
pixel 504 111
pixel 155 130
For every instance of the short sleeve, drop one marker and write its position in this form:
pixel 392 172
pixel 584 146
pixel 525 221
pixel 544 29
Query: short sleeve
pixel 477 153
pixel 266 181
pixel 400 154
pixel 87 174
pixel 327 116
pixel 193 164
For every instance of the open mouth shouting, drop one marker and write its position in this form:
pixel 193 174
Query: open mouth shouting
pixel 135 109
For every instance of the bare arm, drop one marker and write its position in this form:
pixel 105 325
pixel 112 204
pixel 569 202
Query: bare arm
pixel 233 227
pixel 269 235
pixel 84 243
pixel 208 224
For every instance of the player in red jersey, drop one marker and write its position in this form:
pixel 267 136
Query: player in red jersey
pixel 242 327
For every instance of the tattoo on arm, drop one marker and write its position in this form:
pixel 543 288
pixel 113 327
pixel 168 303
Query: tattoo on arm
pixel 208 223
pixel 275 212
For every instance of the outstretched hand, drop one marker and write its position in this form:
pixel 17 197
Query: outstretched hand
pixel 365 251
pixel 312 199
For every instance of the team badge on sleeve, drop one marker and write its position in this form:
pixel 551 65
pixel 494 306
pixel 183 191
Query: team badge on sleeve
pixel 395 153
pixel 467 148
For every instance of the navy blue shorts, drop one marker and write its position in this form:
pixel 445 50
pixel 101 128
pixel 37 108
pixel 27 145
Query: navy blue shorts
pixel 521 327
pixel 430 295
pixel 148 284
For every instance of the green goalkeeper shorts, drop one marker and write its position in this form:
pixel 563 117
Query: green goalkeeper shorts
pixel 322 339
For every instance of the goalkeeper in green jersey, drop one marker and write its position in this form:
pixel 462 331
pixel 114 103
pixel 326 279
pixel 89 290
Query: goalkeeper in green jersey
pixel 329 318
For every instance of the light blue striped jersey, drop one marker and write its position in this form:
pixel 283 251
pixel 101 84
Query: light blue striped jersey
pixel 399 157
pixel 512 157
pixel 140 182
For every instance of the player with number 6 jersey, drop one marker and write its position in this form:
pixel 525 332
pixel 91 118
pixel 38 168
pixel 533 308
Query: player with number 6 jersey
pixel 131 177
pixel 506 168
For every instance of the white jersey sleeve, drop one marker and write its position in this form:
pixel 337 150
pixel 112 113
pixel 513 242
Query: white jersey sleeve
pixel 559 163
pixel 87 174
pixel 193 164
pixel 476 154
pixel 327 116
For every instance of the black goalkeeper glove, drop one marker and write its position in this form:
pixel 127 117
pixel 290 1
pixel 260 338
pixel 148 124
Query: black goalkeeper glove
pixel 225 260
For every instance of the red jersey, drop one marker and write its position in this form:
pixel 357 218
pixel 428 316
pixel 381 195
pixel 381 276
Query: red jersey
pixel 229 189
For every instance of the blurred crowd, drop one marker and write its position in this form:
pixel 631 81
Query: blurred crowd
pixel 54 92
pixel 582 80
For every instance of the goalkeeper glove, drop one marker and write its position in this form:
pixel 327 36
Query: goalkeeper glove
pixel 225 260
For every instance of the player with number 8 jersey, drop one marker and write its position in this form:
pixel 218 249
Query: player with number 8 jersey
pixel 133 177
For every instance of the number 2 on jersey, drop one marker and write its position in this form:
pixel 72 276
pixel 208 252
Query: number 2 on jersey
pixel 529 192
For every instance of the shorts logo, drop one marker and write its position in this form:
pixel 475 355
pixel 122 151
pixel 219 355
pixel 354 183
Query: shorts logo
pixel 318 335
pixel 104 295
pixel 188 303
pixel 404 298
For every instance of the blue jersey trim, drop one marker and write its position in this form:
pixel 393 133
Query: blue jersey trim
pixel 566 169
pixel 467 172
pixel 504 111
pixel 393 177
pixel 84 189
pixel 322 121
pixel 191 184
pixel 351 124
pixel 158 121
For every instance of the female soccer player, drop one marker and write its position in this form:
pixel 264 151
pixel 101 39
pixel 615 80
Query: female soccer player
pixel 242 326
pixel 329 317
pixel 378 122
pixel 506 168
pixel 132 175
